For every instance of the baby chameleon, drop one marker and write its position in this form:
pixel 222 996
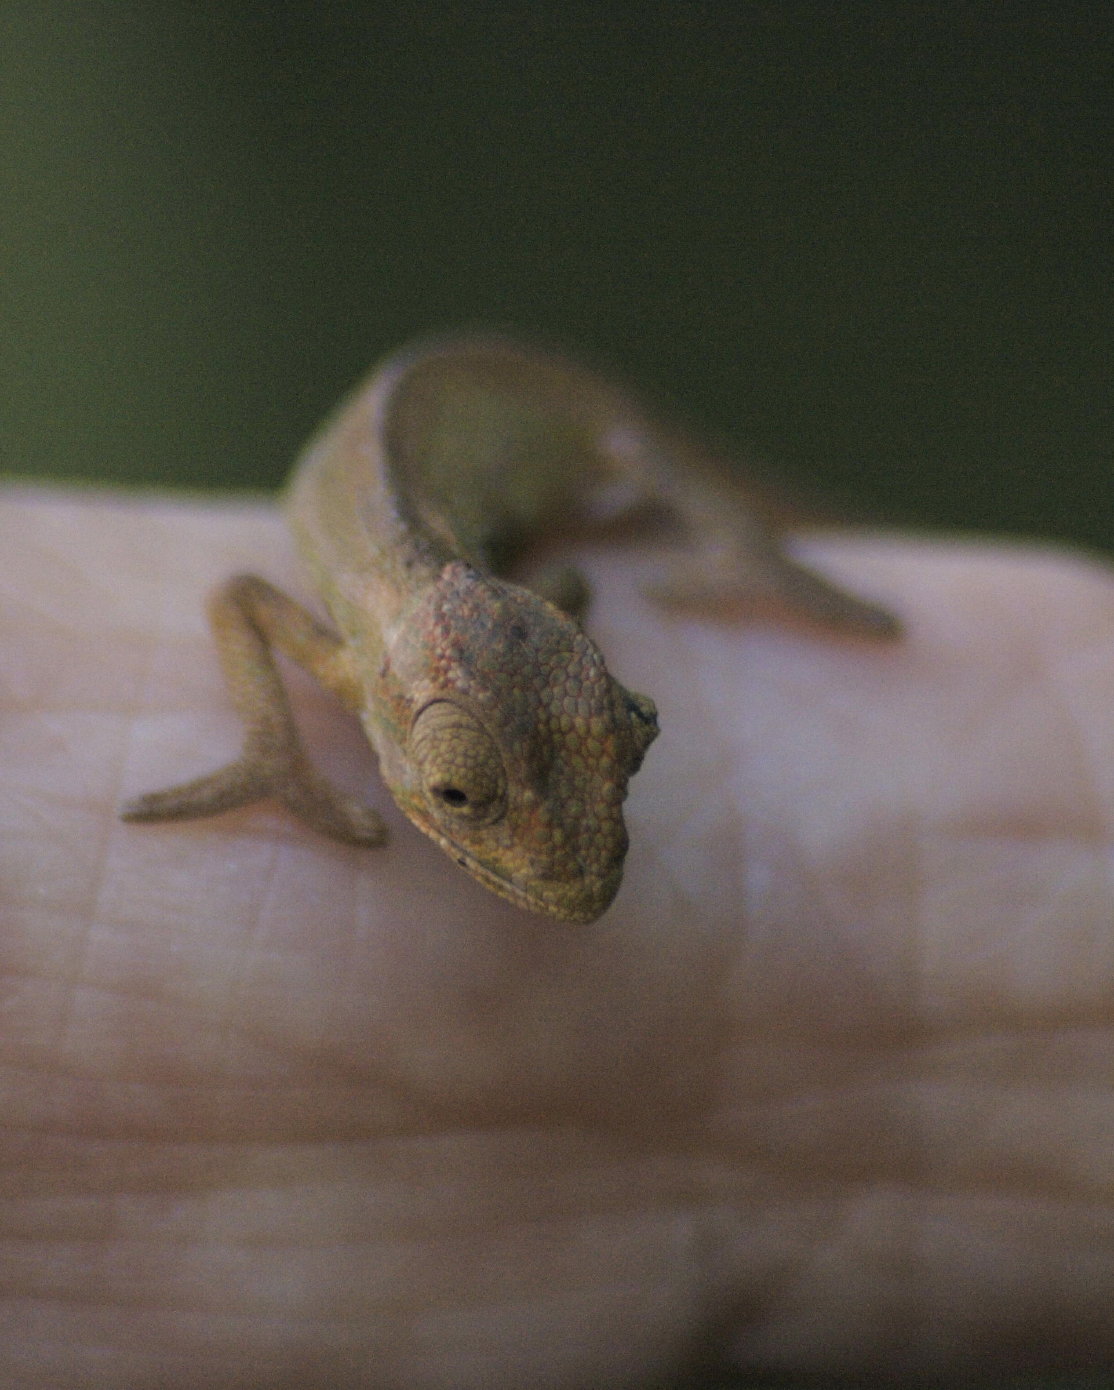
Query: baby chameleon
pixel 497 726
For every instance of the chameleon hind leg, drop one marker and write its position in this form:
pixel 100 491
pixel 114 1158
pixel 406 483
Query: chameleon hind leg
pixel 249 618
pixel 755 573
pixel 732 554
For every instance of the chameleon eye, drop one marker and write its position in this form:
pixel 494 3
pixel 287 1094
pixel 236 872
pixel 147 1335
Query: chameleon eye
pixel 642 715
pixel 459 763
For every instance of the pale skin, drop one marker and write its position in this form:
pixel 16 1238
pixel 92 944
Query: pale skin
pixel 828 1087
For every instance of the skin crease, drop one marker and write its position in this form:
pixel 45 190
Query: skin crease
pixel 827 1089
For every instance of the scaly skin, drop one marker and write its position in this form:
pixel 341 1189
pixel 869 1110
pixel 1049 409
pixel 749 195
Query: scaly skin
pixel 497 726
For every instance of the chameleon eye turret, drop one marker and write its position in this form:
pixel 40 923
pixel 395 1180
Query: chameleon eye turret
pixel 459 765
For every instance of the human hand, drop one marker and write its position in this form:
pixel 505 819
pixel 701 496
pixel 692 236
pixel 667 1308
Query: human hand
pixel 828 1088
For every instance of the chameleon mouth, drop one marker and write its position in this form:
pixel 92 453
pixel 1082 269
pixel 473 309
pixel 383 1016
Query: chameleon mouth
pixel 566 900
pixel 576 902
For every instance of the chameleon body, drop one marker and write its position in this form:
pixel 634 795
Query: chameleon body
pixel 497 726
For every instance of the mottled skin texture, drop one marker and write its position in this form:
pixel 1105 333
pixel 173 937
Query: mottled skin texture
pixel 497 726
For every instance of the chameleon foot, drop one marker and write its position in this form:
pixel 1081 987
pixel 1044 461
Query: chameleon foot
pixel 303 791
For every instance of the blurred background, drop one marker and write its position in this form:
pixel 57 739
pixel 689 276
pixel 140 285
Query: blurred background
pixel 869 243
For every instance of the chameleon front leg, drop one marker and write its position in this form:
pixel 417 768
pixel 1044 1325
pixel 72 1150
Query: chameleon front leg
pixel 249 617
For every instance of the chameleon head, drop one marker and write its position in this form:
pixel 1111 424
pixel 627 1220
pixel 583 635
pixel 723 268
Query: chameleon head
pixel 514 746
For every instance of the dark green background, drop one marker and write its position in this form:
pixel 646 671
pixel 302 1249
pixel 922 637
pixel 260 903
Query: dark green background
pixel 870 241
